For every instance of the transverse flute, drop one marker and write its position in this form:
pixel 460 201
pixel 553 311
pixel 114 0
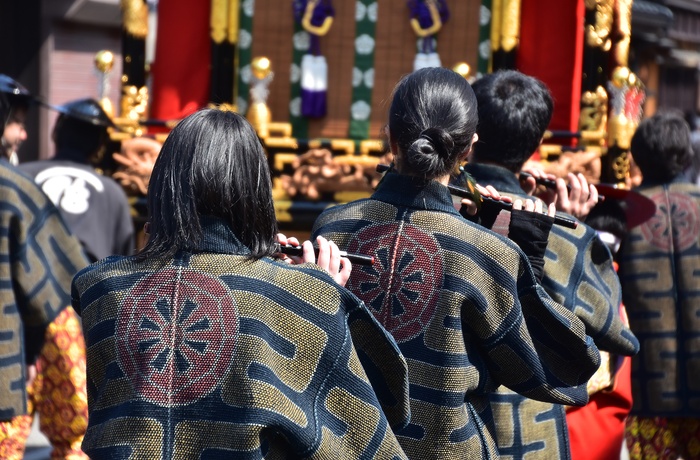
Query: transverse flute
pixel 357 259
pixel 464 193
pixel 550 183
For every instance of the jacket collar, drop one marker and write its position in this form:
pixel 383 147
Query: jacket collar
pixel 219 238
pixel 413 192
pixel 501 178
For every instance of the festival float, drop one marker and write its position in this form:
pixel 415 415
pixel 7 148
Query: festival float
pixel 314 77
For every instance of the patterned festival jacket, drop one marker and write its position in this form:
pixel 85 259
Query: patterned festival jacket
pixel 660 275
pixel 38 258
pixel 213 355
pixel 578 273
pixel 466 310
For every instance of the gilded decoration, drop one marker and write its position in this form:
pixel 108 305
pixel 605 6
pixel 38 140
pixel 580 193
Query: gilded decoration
pixel 586 162
pixel 317 172
pixel 223 20
pixel 135 17
pixel 496 21
pixel 621 168
pixel 134 107
pixel 510 31
pixel 626 99
pixel 623 30
pixel 505 24
pixel 598 34
pixel 259 114
pixel 594 111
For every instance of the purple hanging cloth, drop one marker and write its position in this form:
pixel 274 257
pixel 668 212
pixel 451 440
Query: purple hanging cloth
pixel 420 11
pixel 314 69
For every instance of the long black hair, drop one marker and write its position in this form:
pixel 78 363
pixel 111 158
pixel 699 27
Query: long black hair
pixel 211 164
pixel 432 119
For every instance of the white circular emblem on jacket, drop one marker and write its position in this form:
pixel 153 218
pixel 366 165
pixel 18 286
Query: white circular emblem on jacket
pixel 69 188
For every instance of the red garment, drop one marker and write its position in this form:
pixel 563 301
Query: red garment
pixel 597 430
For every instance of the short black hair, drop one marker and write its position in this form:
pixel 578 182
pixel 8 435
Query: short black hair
pixel 432 119
pixel 72 133
pixel 211 164
pixel 514 112
pixel 608 216
pixel 661 146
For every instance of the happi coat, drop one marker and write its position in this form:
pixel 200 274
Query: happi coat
pixel 212 355
pixel 578 273
pixel 660 275
pixel 38 258
pixel 466 310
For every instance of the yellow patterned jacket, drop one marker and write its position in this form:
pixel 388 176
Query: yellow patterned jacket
pixel 38 258
pixel 466 310
pixel 212 355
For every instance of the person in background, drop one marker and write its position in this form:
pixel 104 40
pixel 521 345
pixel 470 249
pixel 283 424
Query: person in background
pixel 660 279
pixel 692 172
pixel 463 303
pixel 94 207
pixel 17 100
pixel 206 344
pixel 42 350
pixel 597 430
pixel 514 113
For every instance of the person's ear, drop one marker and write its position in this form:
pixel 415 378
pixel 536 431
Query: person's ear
pixel 393 145
pixel 468 153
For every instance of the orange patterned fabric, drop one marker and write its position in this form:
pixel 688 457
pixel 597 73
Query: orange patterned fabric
pixel 13 436
pixel 659 438
pixel 57 394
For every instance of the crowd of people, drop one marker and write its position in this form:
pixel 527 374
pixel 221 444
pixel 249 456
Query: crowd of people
pixel 483 329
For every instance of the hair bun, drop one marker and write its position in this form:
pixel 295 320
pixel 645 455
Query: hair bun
pixel 440 140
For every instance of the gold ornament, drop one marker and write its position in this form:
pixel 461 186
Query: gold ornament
pixel 620 76
pixel 598 35
pixel 135 17
pixel 104 61
pixel 462 68
pixel 260 67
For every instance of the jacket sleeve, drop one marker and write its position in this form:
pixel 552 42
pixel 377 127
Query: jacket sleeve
pixel 579 273
pixel 44 256
pixel 352 392
pixel 531 344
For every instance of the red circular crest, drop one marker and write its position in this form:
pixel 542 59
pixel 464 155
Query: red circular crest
pixel 175 336
pixel 402 287
pixel 676 222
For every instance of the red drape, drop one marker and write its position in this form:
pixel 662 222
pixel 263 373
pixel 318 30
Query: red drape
pixel 551 49
pixel 182 60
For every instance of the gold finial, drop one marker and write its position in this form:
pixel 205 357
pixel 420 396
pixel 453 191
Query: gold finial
pixel 104 61
pixel 620 76
pixel 462 68
pixel 261 67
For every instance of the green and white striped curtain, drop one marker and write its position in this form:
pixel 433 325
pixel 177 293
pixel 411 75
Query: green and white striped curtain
pixel 301 42
pixel 484 55
pixel 363 70
pixel 245 40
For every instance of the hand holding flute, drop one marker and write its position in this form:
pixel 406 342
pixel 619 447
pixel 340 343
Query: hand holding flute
pixel 325 254
pixel 576 198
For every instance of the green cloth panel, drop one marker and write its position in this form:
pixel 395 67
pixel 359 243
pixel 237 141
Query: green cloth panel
pixel 363 70
pixel 484 52
pixel 245 40
pixel 301 41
